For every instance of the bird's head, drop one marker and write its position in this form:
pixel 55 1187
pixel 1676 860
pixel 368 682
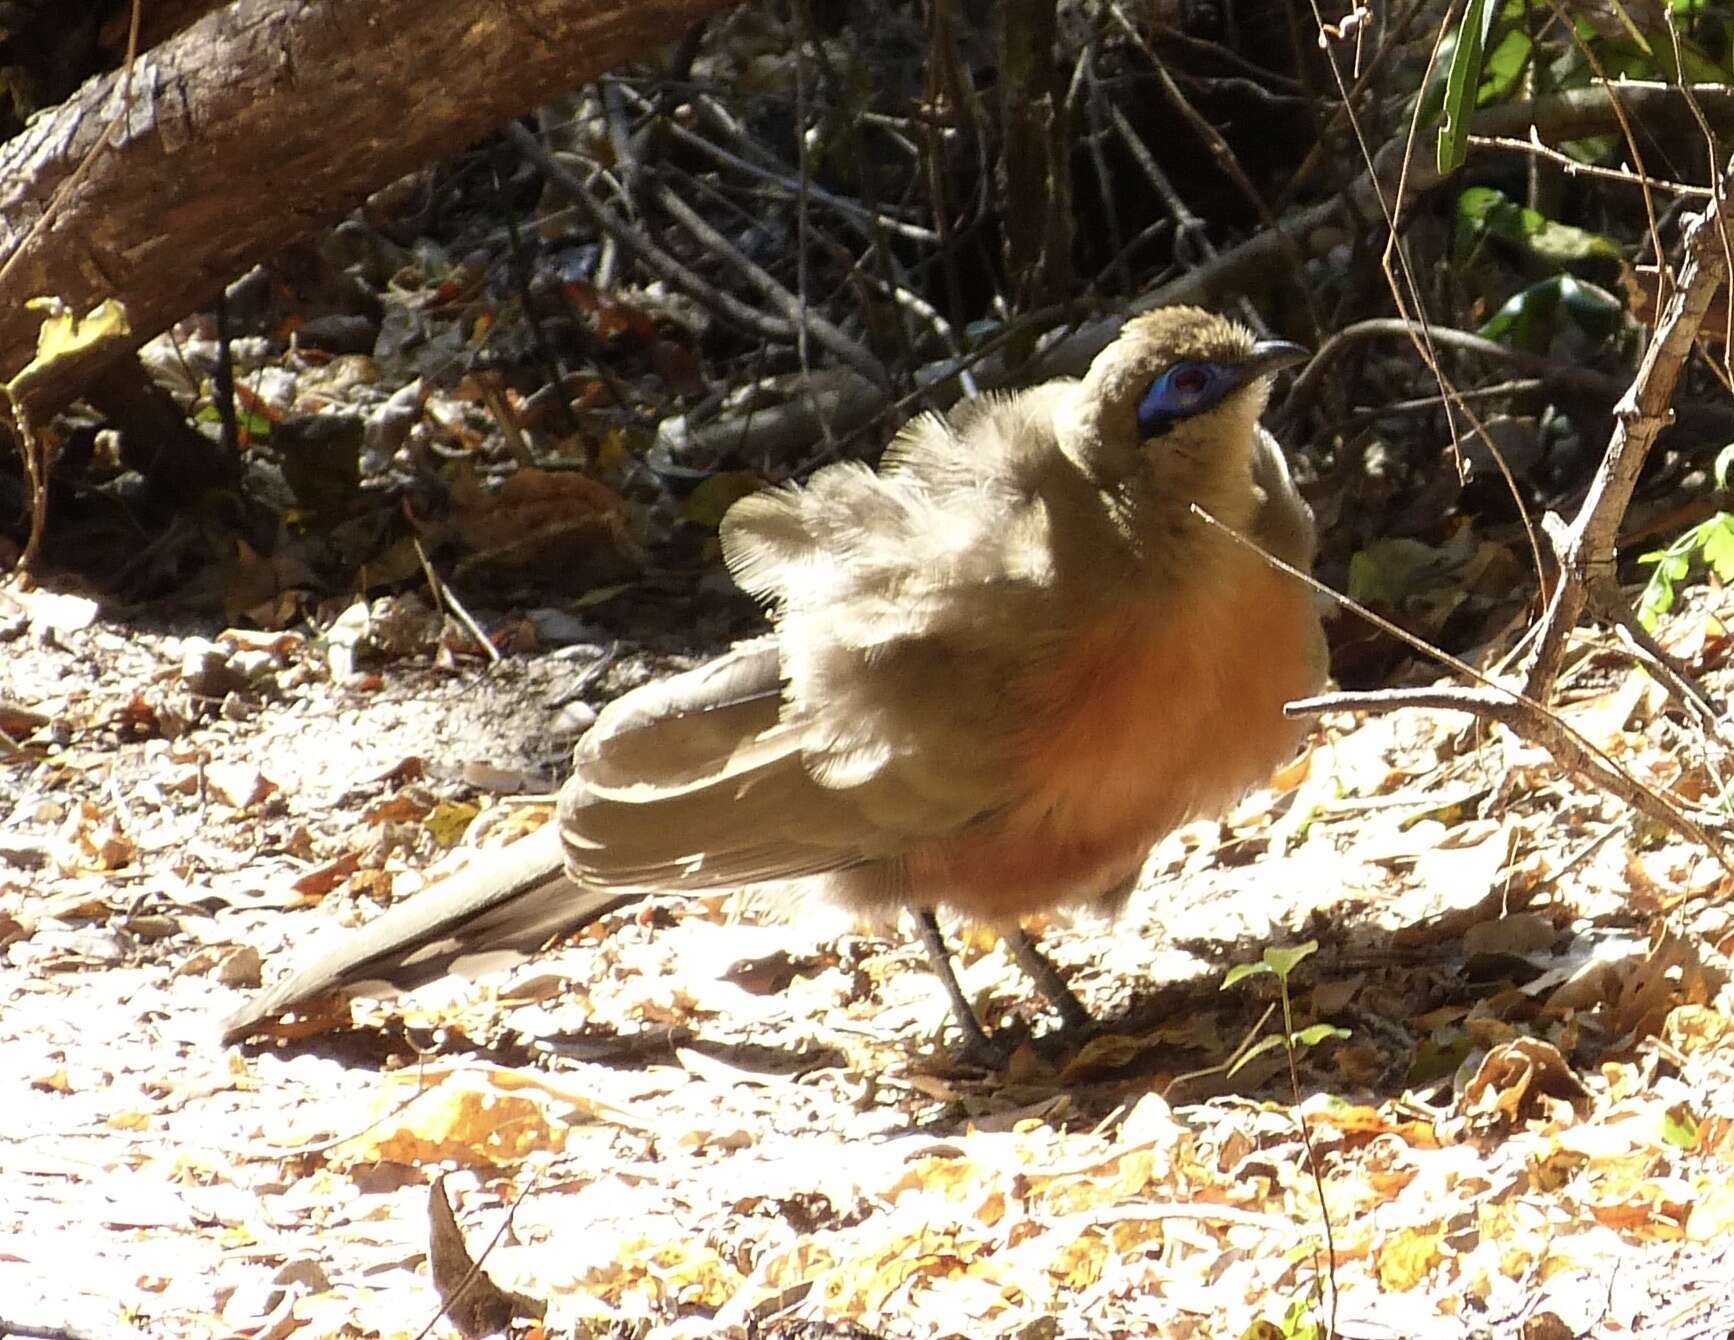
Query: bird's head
pixel 1174 401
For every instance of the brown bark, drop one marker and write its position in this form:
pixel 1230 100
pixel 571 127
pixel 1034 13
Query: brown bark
pixel 261 122
pixel 1035 172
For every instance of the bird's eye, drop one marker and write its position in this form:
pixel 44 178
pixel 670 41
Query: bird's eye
pixel 1183 390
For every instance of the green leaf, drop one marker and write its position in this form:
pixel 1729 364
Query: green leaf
pixel 1680 1127
pixel 1314 1034
pixel 1367 584
pixel 1283 961
pixel 1672 566
pixel 1593 149
pixel 1504 67
pixel 1432 98
pixel 1526 321
pixel 1485 212
pixel 1698 67
pixel 66 335
pixel 1241 971
pixel 1298 1323
pixel 600 595
pixel 1438 1056
pixel 1257 1049
pixel 254 427
pixel 1622 60
pixel 1657 600
pixel 705 505
pixel 1596 311
pixel 1533 318
pixel 1633 31
pixel 1677 562
pixel 1463 82
pixel 1718 546
pixel 1710 542
pixel 1646 57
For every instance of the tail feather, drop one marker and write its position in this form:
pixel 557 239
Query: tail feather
pixel 504 905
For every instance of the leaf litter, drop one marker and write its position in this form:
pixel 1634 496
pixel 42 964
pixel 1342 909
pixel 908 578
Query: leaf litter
pixel 690 1120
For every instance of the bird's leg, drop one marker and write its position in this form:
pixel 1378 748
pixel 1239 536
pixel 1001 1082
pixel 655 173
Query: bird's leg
pixel 976 1043
pixel 1045 975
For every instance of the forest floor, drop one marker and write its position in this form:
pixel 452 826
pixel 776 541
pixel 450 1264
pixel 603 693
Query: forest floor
pixel 1514 1044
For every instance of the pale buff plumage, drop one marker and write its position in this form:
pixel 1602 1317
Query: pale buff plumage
pixel 1002 667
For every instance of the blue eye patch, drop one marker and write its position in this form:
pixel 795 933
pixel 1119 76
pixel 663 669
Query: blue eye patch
pixel 1182 391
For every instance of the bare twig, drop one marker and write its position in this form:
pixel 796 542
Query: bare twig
pixel 1586 552
pixel 1512 708
pixel 1189 230
pixel 851 211
pixel 444 595
pixel 1318 370
pixel 1220 151
pixel 1654 657
pixel 794 311
pixel 1095 104
pixel 640 247
pixel 1531 721
pixel 1329 143
pixel 1572 167
pixel 1120 262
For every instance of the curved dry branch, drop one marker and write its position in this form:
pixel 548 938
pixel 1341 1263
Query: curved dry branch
pixel 1489 700
pixel 1530 721
pixel 1586 550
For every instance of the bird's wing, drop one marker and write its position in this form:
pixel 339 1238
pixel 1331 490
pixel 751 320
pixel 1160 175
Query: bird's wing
pixel 909 604
pixel 698 781
pixel 1283 523
pixel 682 732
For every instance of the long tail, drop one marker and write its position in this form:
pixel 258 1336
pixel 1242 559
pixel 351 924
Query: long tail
pixel 497 911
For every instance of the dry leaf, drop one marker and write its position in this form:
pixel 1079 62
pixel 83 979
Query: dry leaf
pixel 473 1302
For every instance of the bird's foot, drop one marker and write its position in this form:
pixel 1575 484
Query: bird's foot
pixel 980 1050
pixel 1074 1017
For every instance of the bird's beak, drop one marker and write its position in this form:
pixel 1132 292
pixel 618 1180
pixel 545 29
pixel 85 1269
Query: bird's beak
pixel 1270 356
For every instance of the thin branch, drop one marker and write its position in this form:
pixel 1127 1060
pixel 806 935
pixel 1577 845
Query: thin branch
pixel 1512 708
pixel 794 310
pixel 444 595
pixel 1532 722
pixel 1221 152
pixel 630 240
pixel 1572 167
pixel 856 214
pixel 1586 553
pixel 1600 384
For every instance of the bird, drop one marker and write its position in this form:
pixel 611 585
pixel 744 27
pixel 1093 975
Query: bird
pixel 1000 668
